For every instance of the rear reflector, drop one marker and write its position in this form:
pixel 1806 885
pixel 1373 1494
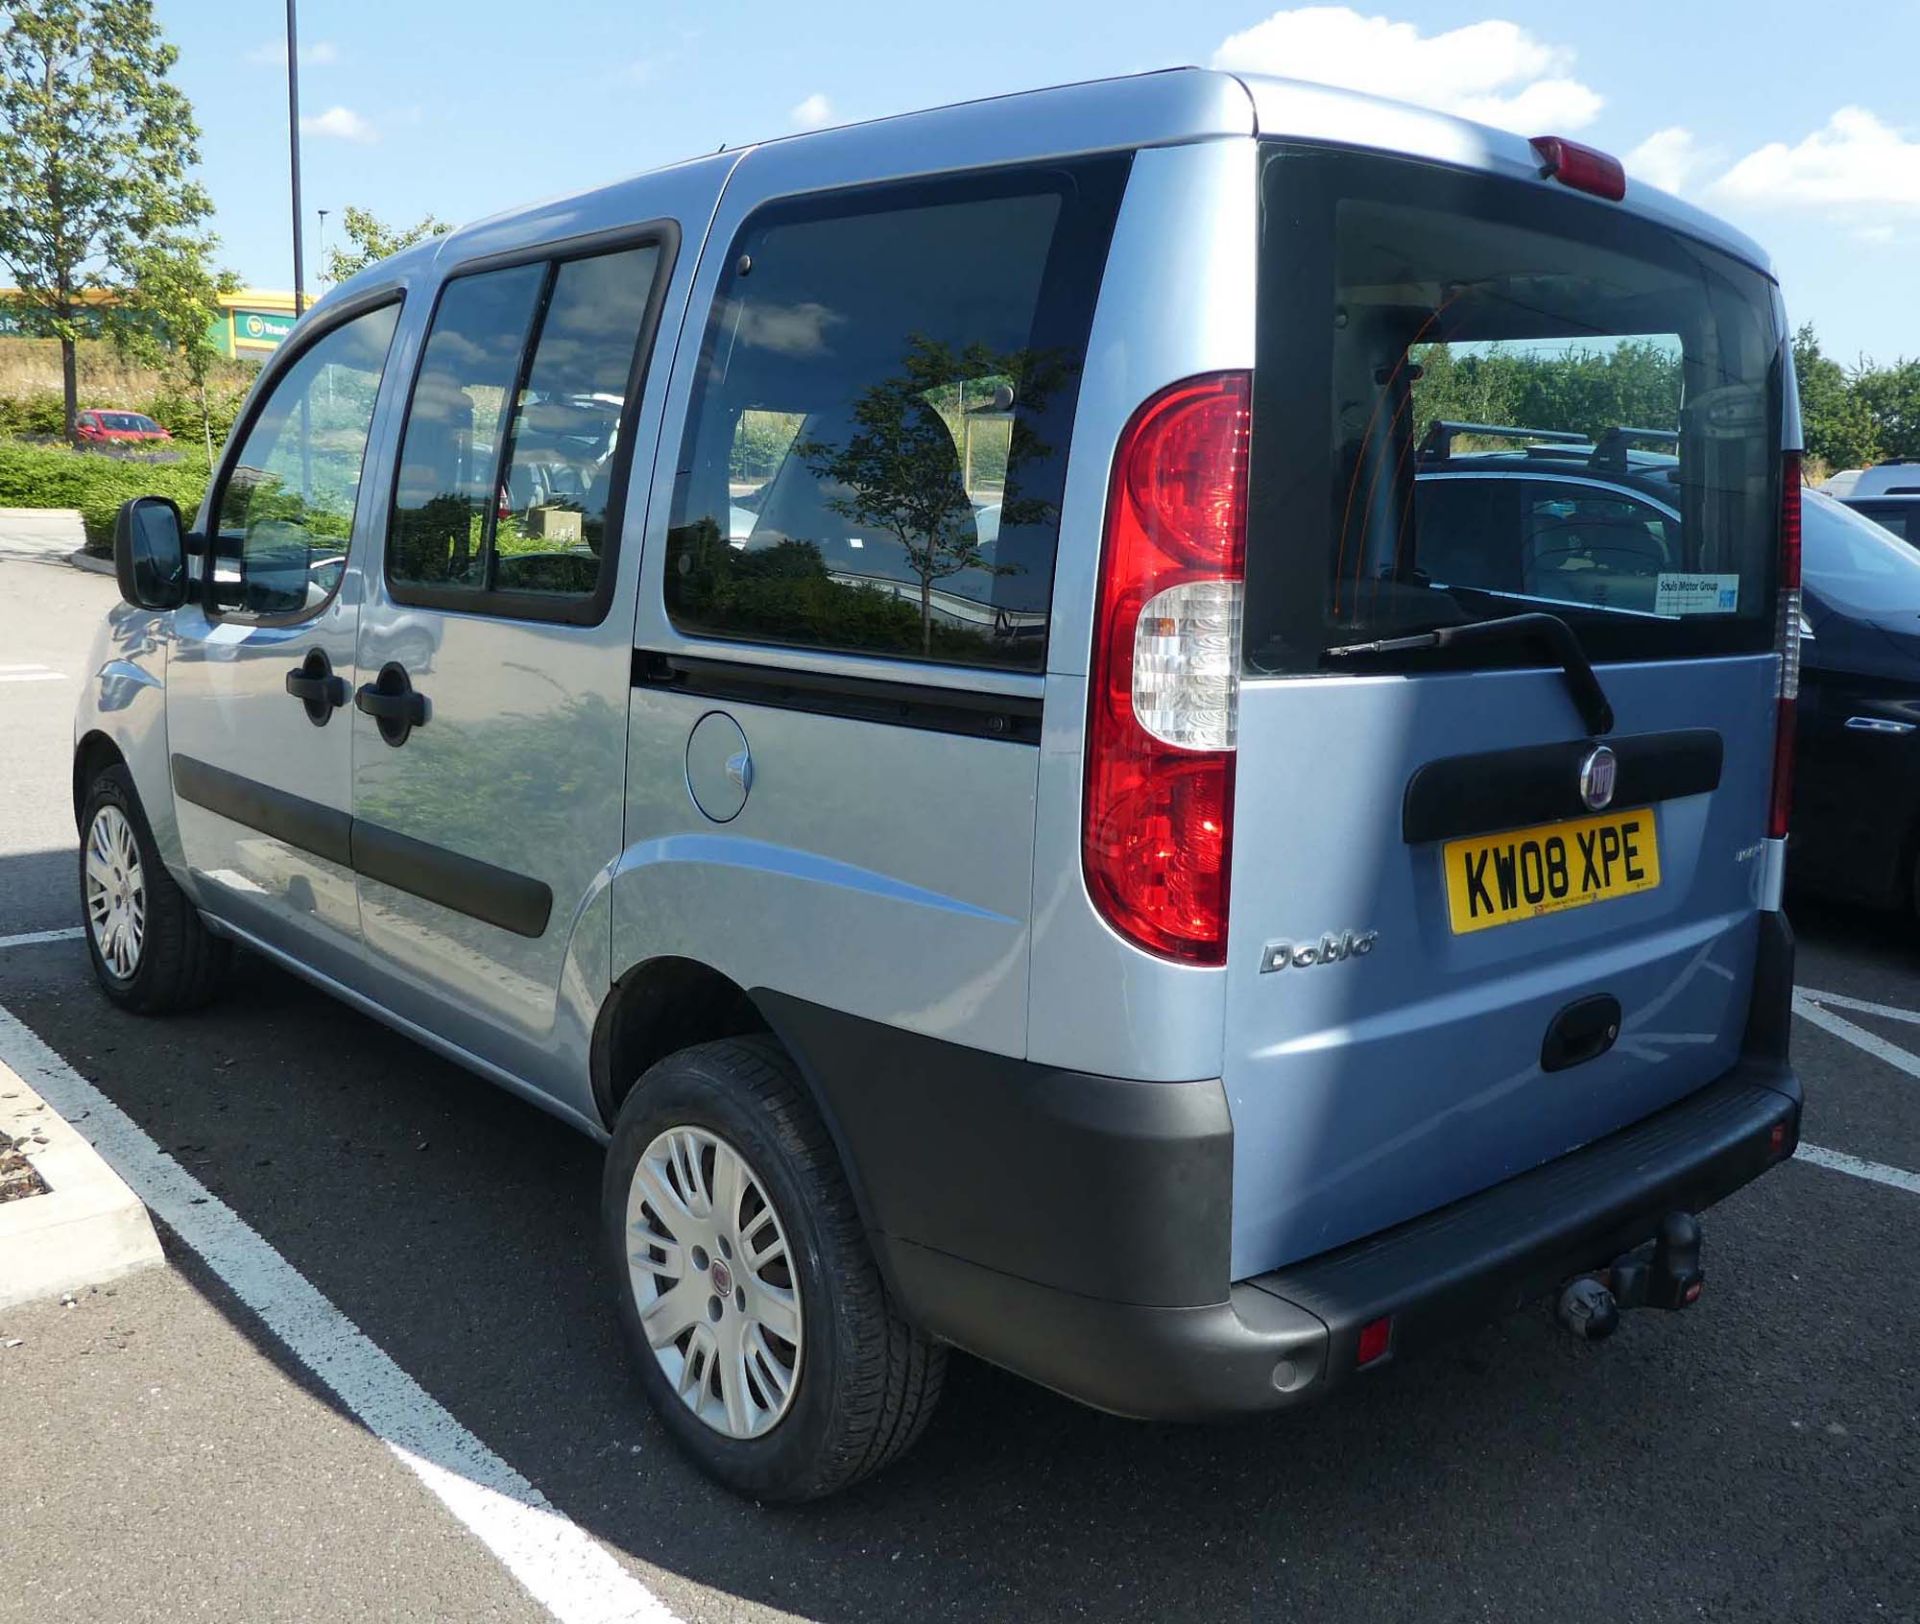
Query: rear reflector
pixel 1583 168
pixel 1157 839
pixel 1376 1339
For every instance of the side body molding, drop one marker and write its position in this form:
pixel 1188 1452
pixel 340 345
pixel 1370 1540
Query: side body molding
pixel 480 890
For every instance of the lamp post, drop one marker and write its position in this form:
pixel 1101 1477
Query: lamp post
pixel 320 247
pixel 293 148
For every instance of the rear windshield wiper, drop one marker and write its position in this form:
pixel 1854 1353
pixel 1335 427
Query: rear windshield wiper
pixel 1541 631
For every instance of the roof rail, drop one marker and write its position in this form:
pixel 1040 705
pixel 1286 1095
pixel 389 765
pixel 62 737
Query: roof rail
pixel 1611 448
pixel 1438 440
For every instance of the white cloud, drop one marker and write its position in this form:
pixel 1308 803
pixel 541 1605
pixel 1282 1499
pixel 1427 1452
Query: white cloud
pixel 812 113
pixel 322 53
pixel 1669 158
pixel 340 124
pixel 1492 71
pixel 1855 161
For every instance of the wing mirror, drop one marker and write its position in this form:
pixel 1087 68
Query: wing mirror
pixel 150 553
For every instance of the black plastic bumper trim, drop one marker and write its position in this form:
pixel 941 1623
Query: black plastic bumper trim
pixel 496 896
pixel 1493 1252
pixel 1095 1186
pixel 1538 783
pixel 1291 1335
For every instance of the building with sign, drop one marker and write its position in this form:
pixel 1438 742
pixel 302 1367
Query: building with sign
pixel 252 324
pixel 257 323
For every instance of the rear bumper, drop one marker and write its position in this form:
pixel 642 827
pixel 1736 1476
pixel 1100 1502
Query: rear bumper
pixel 1074 1229
pixel 1290 1336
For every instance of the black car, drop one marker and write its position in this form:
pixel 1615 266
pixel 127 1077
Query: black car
pixel 1856 816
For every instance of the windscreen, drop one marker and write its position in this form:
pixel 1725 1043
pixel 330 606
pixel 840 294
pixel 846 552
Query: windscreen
pixel 1855 564
pixel 1478 397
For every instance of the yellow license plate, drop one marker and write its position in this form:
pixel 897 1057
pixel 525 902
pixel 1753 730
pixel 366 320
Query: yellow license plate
pixel 1524 873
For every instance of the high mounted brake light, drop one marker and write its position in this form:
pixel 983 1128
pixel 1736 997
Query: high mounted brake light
pixel 1163 712
pixel 1585 169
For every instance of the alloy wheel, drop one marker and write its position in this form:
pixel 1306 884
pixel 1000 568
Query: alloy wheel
pixel 116 892
pixel 714 1282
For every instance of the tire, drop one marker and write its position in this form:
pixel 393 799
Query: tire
pixel 172 961
pixel 861 1382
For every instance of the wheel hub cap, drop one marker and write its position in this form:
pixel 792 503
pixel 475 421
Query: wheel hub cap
pixel 714 1282
pixel 116 892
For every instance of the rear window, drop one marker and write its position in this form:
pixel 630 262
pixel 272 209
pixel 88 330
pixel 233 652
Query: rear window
pixel 1478 398
pixel 877 443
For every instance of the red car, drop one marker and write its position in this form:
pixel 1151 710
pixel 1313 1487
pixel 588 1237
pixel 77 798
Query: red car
pixel 118 428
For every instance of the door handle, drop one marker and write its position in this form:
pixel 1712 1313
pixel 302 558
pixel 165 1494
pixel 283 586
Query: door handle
pixel 314 684
pixel 391 701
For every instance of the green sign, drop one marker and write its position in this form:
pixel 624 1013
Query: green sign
pixel 266 327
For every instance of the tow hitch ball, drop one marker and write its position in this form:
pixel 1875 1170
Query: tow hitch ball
pixel 1664 1274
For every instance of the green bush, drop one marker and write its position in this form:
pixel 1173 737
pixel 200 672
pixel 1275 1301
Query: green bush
pixel 53 476
pixel 39 413
pixel 177 410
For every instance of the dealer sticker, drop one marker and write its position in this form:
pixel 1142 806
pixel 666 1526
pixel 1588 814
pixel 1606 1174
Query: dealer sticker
pixel 1675 594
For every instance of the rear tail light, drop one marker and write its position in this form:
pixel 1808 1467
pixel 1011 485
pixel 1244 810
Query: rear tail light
pixel 1162 719
pixel 1780 803
pixel 1585 169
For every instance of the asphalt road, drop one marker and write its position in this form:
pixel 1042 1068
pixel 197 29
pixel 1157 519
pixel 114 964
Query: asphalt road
pixel 1758 1456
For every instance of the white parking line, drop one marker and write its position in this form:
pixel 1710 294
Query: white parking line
pixel 34 938
pixel 1868 1042
pixel 561 1566
pixel 41 675
pixel 1840 1162
pixel 1860 1006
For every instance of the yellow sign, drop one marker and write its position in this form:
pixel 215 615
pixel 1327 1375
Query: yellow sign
pixel 1524 873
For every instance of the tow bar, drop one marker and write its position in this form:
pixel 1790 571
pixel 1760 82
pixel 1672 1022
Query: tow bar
pixel 1665 1273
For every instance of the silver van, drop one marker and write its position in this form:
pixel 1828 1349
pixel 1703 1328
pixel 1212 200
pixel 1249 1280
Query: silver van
pixel 1140 729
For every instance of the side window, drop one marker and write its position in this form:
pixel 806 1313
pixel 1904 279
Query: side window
pixel 508 461
pixel 446 496
pixel 878 438
pixel 284 519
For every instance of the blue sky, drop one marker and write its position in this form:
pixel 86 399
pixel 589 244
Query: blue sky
pixel 1807 136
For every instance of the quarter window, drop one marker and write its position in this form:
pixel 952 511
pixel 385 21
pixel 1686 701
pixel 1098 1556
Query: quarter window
pixel 284 520
pixel 509 460
pixel 877 444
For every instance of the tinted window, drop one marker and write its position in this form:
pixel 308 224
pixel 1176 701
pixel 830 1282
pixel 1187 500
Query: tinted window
pixel 566 427
pixel 1854 564
pixel 447 492
pixel 878 439
pixel 1902 518
pixel 1422 326
pixel 284 519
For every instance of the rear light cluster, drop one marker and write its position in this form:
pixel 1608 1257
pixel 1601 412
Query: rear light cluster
pixel 1157 842
pixel 1780 803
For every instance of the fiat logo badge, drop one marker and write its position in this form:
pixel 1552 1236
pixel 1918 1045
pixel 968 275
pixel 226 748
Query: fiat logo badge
pixel 1597 774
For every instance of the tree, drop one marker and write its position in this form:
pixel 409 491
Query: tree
pixel 1835 417
pixel 1890 398
pixel 97 152
pixel 178 299
pixel 370 239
